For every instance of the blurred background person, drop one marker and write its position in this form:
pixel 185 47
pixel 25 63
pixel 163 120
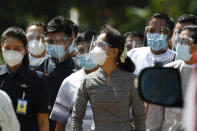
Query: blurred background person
pixel 62 109
pixel 185 63
pixel 9 121
pixel 133 39
pixel 184 20
pixel 35 33
pixel 23 85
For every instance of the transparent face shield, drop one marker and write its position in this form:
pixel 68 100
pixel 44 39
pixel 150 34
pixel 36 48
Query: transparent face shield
pixel 36 43
pixel 175 41
pixel 160 33
pixel 158 30
pixel 82 56
pixel 133 44
pixel 57 46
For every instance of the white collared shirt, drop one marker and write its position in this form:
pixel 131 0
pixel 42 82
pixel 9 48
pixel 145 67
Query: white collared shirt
pixel 65 99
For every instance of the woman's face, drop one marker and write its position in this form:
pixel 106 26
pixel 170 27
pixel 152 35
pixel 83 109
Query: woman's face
pixel 12 43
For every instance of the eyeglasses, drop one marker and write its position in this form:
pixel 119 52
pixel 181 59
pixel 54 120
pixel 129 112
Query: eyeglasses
pixel 159 30
pixel 102 44
pixel 185 41
pixel 82 48
pixel 33 36
pixel 133 44
pixel 56 40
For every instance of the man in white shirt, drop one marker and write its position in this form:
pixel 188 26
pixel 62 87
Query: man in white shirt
pixel 8 119
pixel 157 35
pixel 158 32
pixel 186 46
pixel 62 109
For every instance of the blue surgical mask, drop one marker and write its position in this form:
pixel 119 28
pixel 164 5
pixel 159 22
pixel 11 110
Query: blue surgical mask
pixel 157 41
pixel 71 47
pixel 56 51
pixel 85 61
pixel 183 52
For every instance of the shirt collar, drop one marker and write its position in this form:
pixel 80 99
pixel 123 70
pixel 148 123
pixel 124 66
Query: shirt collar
pixel 4 70
pixel 20 71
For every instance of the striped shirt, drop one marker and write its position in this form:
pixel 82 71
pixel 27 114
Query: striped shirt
pixel 62 108
pixel 111 103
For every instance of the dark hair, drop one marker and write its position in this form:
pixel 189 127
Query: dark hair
pixel 75 28
pixel 88 35
pixel 19 34
pixel 37 23
pixel 169 20
pixel 187 18
pixel 133 34
pixel 79 39
pixel 116 40
pixel 59 24
pixel 192 28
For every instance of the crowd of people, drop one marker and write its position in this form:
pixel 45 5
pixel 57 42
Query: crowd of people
pixel 56 78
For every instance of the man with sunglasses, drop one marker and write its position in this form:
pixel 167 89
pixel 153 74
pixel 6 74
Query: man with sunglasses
pixel 186 47
pixel 62 109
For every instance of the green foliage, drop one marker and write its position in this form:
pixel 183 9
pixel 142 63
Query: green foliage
pixel 125 15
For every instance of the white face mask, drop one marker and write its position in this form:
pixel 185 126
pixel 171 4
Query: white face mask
pixel 12 58
pixel 36 47
pixel 98 56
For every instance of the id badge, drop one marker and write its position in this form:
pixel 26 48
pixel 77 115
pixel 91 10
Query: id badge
pixel 22 106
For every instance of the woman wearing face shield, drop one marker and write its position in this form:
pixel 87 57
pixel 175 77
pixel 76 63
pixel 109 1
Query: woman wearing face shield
pixel 110 89
pixel 23 85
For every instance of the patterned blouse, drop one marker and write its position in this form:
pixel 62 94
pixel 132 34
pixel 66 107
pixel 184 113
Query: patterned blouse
pixel 111 103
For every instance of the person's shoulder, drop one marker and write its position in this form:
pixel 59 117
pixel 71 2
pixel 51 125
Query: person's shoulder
pixel 4 96
pixel 126 74
pixel 138 51
pixel 73 77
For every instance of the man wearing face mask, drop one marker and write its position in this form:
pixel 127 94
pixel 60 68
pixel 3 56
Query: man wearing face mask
pixel 59 64
pixel 157 34
pixel 186 47
pixel 36 45
pixel 65 99
pixel 133 39
pixel 184 20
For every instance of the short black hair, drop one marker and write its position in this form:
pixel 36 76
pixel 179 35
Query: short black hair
pixel 15 32
pixel 169 20
pixel 134 34
pixel 19 34
pixel 59 24
pixel 187 18
pixel 75 28
pixel 37 23
pixel 192 28
pixel 88 35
